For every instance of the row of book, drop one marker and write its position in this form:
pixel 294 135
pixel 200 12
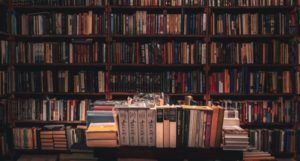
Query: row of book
pixel 4 56
pixel 274 141
pixel 252 23
pixel 186 126
pixel 158 2
pixel 49 137
pixel 78 51
pixel 58 2
pixel 4 144
pixel 250 3
pixel 158 52
pixel 50 110
pixel 60 81
pixel 263 111
pixel 46 23
pixel 272 52
pixel 143 22
pixel 250 82
pixel 173 52
pixel 168 82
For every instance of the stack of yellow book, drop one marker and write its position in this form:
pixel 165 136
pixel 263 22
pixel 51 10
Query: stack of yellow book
pixel 102 135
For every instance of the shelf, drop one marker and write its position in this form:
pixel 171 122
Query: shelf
pixel 55 37
pixel 37 151
pixel 39 122
pixel 251 37
pixel 252 9
pixel 60 65
pixel 3 34
pixel 155 8
pixel 251 65
pixel 167 153
pixel 54 94
pixel 158 36
pixel 56 8
pixel 267 125
pixel 251 96
pixel 169 94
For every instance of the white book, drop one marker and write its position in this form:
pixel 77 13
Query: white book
pixel 123 126
pixel 133 127
pixel 142 127
pixel 151 127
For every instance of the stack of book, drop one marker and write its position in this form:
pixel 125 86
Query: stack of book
pixel 102 135
pixel 235 138
pixel 102 128
pixel 257 156
pixel 53 137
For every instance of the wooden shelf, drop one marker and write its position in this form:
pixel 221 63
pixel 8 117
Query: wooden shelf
pixel 155 8
pixel 60 65
pixel 267 125
pixel 252 8
pixel 55 37
pixel 167 153
pixel 237 95
pixel 169 94
pixel 38 122
pixel 55 94
pixel 56 8
pixel 250 37
pixel 160 36
pixel 251 65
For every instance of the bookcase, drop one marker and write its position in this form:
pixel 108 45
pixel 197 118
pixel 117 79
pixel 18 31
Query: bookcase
pixel 116 49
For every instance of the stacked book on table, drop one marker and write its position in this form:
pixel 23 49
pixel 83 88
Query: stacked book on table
pixel 102 128
pixel 234 137
pixel 53 137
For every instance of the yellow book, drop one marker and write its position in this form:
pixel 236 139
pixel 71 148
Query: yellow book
pixel 197 107
pixel 103 127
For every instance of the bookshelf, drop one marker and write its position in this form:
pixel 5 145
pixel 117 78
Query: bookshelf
pixel 109 67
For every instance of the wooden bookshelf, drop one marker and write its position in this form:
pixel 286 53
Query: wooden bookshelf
pixel 109 67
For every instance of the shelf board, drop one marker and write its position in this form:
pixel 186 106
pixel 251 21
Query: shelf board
pixel 38 122
pixel 37 151
pixel 55 37
pixel 169 94
pixel 160 36
pixel 267 125
pixel 56 8
pixel 57 94
pixel 251 65
pixel 60 65
pixel 159 65
pixel 252 8
pixel 238 37
pixel 156 8
pixel 237 95
pixel 283 155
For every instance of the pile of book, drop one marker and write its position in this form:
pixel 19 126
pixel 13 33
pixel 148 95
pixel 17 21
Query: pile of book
pixel 257 156
pixel 53 137
pixel 234 137
pixel 102 128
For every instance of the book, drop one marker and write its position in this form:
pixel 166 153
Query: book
pixel 153 52
pixel 37 3
pixel 47 23
pixel 96 139
pixel 158 3
pixel 250 3
pixel 83 51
